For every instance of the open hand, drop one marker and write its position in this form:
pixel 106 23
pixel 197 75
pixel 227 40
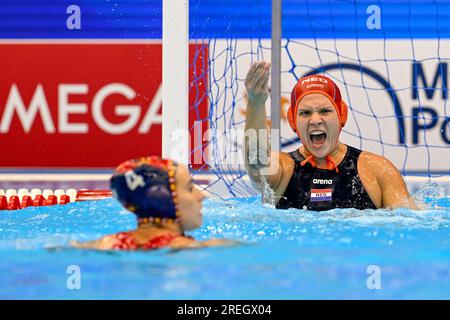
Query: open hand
pixel 257 83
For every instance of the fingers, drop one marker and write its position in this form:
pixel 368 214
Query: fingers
pixel 252 75
pixel 263 80
pixel 258 75
pixel 251 71
pixel 264 85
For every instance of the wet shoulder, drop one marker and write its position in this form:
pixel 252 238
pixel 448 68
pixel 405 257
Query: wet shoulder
pixel 287 159
pixel 182 242
pixel 369 165
pixel 373 164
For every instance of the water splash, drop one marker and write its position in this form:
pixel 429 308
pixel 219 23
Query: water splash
pixel 431 195
pixel 268 195
pixel 289 251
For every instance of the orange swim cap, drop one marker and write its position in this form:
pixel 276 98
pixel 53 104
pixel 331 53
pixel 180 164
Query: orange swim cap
pixel 316 84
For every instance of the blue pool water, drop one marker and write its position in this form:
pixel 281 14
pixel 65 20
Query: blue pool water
pixel 287 254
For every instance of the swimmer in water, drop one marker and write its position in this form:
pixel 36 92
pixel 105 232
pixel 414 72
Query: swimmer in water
pixel 162 195
pixel 323 173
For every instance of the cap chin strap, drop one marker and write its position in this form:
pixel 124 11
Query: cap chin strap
pixel 331 165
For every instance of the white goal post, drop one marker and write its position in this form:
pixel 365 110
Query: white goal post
pixel 175 80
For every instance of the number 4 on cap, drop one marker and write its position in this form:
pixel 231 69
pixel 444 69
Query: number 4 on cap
pixel 133 180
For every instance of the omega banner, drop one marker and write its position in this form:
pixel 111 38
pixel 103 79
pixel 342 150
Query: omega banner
pixel 76 105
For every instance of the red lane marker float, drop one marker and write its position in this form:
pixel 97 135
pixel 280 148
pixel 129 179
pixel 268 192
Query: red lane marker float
pixel 3 203
pixel 13 202
pixel 51 200
pixel 85 195
pixel 65 199
pixel 38 201
pixel 26 202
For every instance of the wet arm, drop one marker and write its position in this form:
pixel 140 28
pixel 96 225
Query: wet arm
pixel 105 243
pixel 188 243
pixel 260 162
pixel 394 193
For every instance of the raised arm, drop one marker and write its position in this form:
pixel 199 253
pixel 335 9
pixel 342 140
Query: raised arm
pixel 259 160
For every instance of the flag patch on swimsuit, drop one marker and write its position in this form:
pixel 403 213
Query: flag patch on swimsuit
pixel 321 195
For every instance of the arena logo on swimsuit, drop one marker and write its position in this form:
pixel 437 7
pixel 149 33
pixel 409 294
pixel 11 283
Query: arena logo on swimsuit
pixel 323 181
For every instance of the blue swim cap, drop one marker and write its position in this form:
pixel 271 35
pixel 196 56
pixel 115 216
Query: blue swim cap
pixel 146 187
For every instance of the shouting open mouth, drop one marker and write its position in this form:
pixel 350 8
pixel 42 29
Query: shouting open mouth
pixel 318 138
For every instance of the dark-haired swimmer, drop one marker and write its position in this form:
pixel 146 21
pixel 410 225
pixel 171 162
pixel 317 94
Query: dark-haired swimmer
pixel 162 195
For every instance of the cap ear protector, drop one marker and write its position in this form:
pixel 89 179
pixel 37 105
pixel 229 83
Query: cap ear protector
pixel 316 84
pixel 291 120
pixel 344 114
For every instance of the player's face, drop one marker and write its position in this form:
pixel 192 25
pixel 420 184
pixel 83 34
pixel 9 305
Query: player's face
pixel 189 199
pixel 318 124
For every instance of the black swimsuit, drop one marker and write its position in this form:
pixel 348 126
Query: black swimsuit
pixel 320 189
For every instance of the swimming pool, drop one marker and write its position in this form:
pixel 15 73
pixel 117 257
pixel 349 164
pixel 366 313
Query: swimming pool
pixel 288 254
